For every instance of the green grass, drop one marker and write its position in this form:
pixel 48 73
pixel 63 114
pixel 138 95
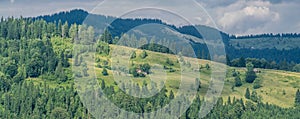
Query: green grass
pixel 274 82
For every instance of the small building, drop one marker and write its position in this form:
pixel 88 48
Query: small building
pixel 256 70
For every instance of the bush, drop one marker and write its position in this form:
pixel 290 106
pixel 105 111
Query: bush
pixel 133 55
pixel 238 81
pixel 256 84
pixel 169 62
pixel 143 54
pixel 104 72
pixel 98 66
pixel 250 74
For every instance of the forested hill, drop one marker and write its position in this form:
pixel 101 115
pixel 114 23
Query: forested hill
pixel 270 47
pixel 74 16
pixel 39 62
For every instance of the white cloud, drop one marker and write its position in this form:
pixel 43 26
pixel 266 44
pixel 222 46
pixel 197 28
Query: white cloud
pixel 244 16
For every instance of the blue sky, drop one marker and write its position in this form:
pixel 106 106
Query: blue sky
pixel 232 16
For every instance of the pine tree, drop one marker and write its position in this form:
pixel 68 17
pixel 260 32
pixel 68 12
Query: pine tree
pixel 256 84
pixel 171 97
pixel 104 72
pixel 133 55
pixel 102 84
pixel 238 81
pixel 297 98
pixel 207 66
pixel 242 62
pixel 254 97
pixel 247 95
pixel 59 27
pixel 250 74
pixel 65 30
pixel 198 84
pixel 143 54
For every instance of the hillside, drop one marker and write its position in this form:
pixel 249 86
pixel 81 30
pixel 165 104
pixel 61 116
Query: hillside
pixel 42 63
pixel 278 87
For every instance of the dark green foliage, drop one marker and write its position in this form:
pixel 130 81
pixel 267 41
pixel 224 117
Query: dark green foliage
pixel 247 94
pixel 140 70
pixel 10 68
pixel 297 98
pixel 198 84
pixel 134 72
pixel 60 73
pixel 27 100
pixel 106 37
pixel 144 54
pixel 242 62
pixel 133 55
pixel 59 113
pixel 250 74
pixel 26 51
pixel 238 81
pixel 156 48
pixel 102 84
pixel 171 96
pixel 37 101
pixel 145 68
pixel 254 97
pixel 207 66
pixel 257 84
pixel 103 48
pixel 296 68
pixel 263 63
pixel 235 73
pixel 104 72
pixel 4 82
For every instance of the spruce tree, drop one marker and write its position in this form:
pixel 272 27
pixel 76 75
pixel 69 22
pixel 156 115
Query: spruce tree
pixel 104 72
pixel 250 74
pixel 247 95
pixel 133 55
pixel 238 81
pixel 144 54
pixel 297 98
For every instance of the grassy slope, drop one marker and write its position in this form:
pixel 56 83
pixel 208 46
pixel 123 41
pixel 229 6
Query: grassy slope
pixel 274 82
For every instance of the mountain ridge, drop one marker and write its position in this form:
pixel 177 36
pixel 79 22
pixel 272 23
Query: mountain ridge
pixel 235 46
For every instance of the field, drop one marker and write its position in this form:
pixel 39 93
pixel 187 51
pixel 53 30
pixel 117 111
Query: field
pixel 278 87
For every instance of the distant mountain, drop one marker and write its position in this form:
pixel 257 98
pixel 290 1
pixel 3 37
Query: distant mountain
pixel 271 47
pixel 74 16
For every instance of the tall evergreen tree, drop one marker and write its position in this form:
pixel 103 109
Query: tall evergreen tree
pixel 247 94
pixel 238 81
pixel 250 74
pixel 297 98
pixel 104 72
pixel 65 30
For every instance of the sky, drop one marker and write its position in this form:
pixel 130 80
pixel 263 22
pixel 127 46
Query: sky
pixel 240 17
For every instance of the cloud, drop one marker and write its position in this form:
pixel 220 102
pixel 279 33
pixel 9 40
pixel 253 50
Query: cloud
pixel 248 16
pixel 256 16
